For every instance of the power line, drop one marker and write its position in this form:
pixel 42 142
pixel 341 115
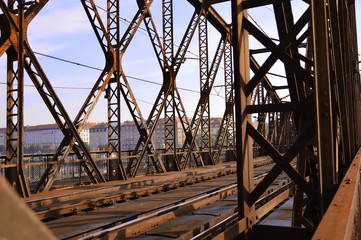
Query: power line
pixel 145 32
pixel 258 25
pixel 68 61
pixel 77 88
pixel 98 69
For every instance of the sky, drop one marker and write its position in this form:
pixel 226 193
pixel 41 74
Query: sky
pixel 62 30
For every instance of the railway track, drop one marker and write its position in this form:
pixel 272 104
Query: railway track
pixel 51 208
pixel 197 218
pixel 120 210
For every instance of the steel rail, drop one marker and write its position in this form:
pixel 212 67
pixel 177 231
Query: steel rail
pixel 157 218
pixel 276 197
pixel 119 194
pixel 76 202
pixel 167 214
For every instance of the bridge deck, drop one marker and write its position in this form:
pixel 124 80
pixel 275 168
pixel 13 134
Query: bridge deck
pixel 64 193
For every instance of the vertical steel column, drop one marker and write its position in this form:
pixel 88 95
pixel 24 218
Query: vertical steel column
pixel 23 185
pixel 115 166
pixel 15 109
pixel 243 143
pixel 11 115
pixel 204 88
pixel 168 78
pixel 229 93
pixel 325 136
pixel 225 136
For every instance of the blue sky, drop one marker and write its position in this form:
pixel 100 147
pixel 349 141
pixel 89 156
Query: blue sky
pixel 62 29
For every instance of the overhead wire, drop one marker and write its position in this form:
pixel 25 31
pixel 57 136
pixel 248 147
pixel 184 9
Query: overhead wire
pixel 145 32
pixel 136 78
pixel 99 69
pixel 77 88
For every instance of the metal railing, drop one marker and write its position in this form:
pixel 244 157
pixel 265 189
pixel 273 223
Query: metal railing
pixel 35 164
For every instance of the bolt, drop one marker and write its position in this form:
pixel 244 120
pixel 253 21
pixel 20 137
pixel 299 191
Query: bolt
pixel 348 181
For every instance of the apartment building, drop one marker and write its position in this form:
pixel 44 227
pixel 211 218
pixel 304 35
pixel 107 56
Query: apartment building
pixel 49 136
pixel 130 134
pixel 98 136
pixel 2 137
pixel 215 124
pixel 46 136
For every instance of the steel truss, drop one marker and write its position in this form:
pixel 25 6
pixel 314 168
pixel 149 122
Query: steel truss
pixel 114 83
pixel 169 97
pixel 321 109
pixel 15 40
pixel 115 167
pixel 316 126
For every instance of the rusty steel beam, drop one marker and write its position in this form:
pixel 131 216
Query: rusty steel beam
pixel 246 208
pixel 116 169
pixel 169 86
pixel 210 2
pixel 342 218
pixel 213 17
pixel 204 88
pixel 87 107
pixel 326 147
pixel 169 79
pixel 166 65
pixel 148 145
pixel 271 110
pixel 26 59
pixel 310 80
pixel 203 102
pixel 226 132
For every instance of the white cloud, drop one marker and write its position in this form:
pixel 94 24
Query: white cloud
pixel 46 47
pixel 59 22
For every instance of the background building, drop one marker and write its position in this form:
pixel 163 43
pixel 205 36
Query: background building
pixel 98 137
pixel 2 139
pixel 48 137
pixel 44 137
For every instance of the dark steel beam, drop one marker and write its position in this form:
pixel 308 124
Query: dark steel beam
pixel 189 143
pixel 243 141
pixel 324 117
pixel 115 167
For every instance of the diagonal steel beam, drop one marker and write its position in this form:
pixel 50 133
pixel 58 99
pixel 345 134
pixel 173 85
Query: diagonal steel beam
pixel 202 104
pixel 91 100
pixel 48 94
pixel 127 92
pixel 278 52
pixel 282 162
